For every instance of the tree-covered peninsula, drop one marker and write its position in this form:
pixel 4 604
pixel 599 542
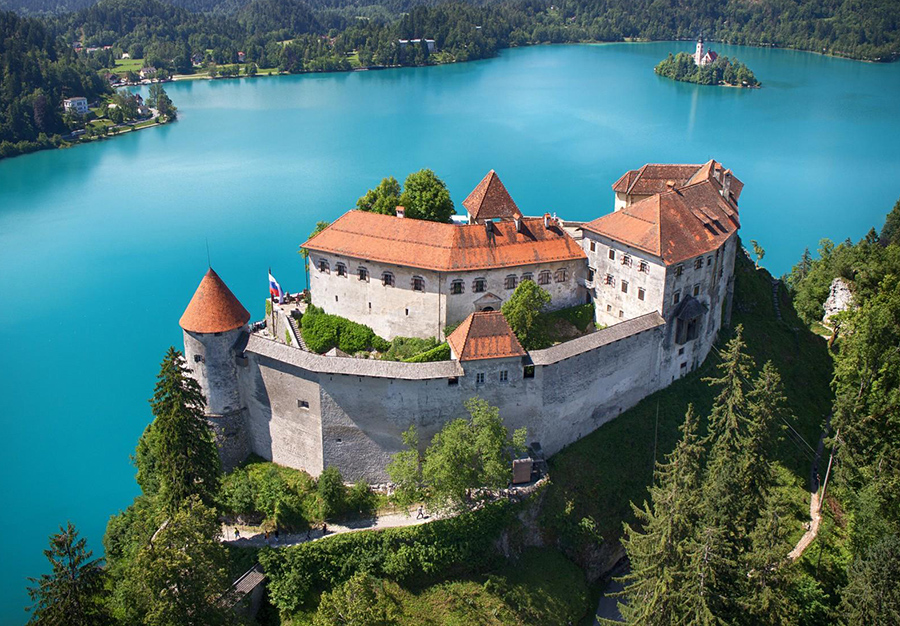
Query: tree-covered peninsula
pixel 722 71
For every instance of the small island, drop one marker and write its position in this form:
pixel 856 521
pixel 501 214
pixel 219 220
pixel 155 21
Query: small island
pixel 705 67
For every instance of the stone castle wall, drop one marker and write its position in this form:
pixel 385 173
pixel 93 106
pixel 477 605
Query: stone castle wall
pixel 310 411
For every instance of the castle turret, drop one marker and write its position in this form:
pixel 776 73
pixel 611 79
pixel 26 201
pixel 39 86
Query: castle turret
pixel 212 324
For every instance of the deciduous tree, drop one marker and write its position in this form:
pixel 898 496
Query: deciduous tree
pixel 523 313
pixel 425 197
pixel 383 199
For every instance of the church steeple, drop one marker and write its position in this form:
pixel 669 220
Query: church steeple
pixel 700 52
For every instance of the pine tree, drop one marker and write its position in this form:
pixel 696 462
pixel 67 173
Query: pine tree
pixel 71 594
pixel 655 589
pixel 177 454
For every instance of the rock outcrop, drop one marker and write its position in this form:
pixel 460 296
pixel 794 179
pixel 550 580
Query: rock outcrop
pixel 839 299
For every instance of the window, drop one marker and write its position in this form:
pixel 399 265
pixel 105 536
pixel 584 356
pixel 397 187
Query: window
pixel 528 372
pixel 387 279
pixel 698 264
pixel 626 260
pixel 453 380
pixel 370 306
pixel 611 280
pixel 640 293
pixel 680 351
pixel 456 287
pixel 562 275
pixel 527 276
pixel 644 267
pixel 612 254
pixel 621 313
pixel 323 265
pixel 407 311
pixel 511 281
pixel 544 277
pixel 302 404
pixel 679 269
pixel 593 246
pixel 341 269
pixel 624 286
pixel 708 261
pixel 696 290
pixel 590 277
pixel 363 273
pixel 504 376
pixel 479 378
pixel 479 285
pixel 418 283
pixel 609 308
pixel 198 358
pixel 335 298
pixel 676 298
pixel 721 269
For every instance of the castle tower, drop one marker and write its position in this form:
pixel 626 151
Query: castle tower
pixel 212 323
pixel 700 52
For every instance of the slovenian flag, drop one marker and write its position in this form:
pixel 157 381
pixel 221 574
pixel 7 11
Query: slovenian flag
pixel 275 289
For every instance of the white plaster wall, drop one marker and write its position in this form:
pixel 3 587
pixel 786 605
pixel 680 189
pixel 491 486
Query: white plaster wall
pixel 609 300
pixel 389 311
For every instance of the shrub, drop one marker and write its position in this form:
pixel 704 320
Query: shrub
pixel 416 555
pixel 360 499
pixel 331 491
pixel 402 348
pixel 438 353
pixel 322 332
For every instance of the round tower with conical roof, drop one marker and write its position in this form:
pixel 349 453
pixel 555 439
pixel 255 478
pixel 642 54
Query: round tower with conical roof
pixel 213 322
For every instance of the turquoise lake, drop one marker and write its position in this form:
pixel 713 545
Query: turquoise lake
pixel 102 246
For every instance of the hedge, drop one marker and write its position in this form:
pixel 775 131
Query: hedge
pixel 322 331
pixel 438 353
pixel 418 555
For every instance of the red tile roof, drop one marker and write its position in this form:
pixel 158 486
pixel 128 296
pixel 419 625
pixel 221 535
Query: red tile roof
pixel 652 178
pixel 484 335
pixel 675 225
pixel 490 200
pixel 444 247
pixel 213 309
pixel 655 177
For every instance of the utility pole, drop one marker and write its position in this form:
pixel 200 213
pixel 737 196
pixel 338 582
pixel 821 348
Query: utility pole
pixel 828 471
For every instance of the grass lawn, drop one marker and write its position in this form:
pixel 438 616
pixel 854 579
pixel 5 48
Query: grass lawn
pixel 127 65
pixel 353 57
pixel 599 475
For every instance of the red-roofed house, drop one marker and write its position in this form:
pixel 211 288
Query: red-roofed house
pixel 671 252
pixel 413 278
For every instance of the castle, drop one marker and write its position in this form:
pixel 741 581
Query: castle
pixel 658 270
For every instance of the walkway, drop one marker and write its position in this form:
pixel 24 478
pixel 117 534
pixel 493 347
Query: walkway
pixel 258 539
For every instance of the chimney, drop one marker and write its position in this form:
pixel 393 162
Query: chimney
pixel 401 211
pixel 518 220
pixel 726 184
pixel 488 226
pixel 670 185
pixel 546 220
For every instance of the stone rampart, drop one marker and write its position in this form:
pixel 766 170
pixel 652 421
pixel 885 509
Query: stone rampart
pixel 310 411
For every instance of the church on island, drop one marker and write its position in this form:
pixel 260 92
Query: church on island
pixel 658 270
pixel 703 56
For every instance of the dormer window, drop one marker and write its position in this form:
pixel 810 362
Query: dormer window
pixel 418 283
pixel 479 285
pixel 511 281
pixel 457 287
pixel 363 273
pixel 341 269
pixel 545 277
pixel 387 279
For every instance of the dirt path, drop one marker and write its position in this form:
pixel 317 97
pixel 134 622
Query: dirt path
pixel 253 537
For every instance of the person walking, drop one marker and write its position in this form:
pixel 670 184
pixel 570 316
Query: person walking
pixel 237 534
pixel 420 514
